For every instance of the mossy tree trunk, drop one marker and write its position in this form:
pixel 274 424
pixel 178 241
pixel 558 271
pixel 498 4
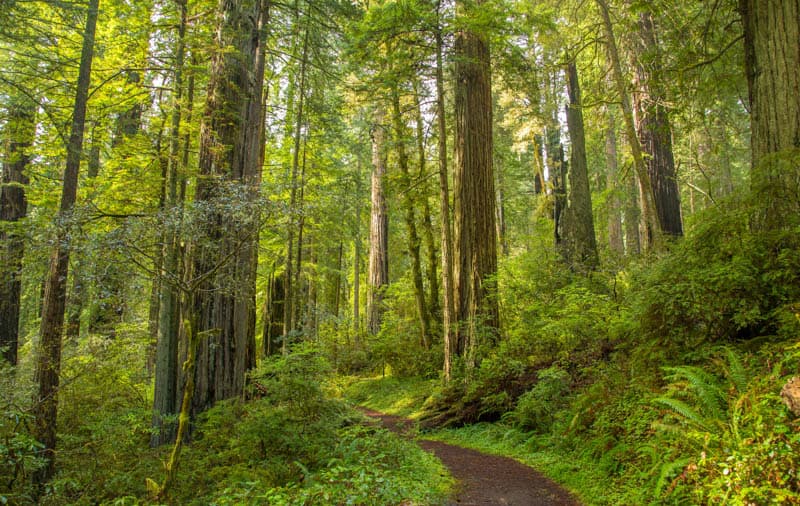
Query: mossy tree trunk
pixel 580 244
pixel 18 138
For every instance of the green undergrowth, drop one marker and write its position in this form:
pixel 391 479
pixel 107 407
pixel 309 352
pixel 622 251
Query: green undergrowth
pixel 653 382
pixel 290 443
pixel 389 394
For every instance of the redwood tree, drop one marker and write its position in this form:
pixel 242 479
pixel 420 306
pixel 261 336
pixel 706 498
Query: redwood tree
pixel 772 64
pixel 17 140
pixel 230 145
pixel 475 240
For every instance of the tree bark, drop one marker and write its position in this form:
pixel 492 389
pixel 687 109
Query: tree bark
pixel 654 129
pixel 378 275
pixel 289 311
pixel 165 396
pixel 48 358
pixel 475 229
pixel 230 140
pixel 772 65
pixel 18 139
pixel 580 243
pixel 449 317
pixel 273 313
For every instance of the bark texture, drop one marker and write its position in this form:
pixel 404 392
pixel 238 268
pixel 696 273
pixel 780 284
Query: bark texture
pixel 448 292
pixel 18 138
pixel 772 64
pixel 580 244
pixel 165 396
pixel 230 144
pixel 378 274
pixel 651 239
pixel 475 229
pixel 654 129
pixel 48 355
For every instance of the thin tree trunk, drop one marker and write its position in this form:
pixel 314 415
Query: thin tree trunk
pixel 615 241
pixel 357 259
pixel 410 218
pixel 165 397
pixel 288 305
pixel 632 212
pixel 449 317
pixel 48 359
pixel 378 275
pixel 19 136
pixel 652 236
pixel 427 221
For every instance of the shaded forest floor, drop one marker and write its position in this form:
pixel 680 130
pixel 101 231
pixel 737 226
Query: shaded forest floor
pixel 484 479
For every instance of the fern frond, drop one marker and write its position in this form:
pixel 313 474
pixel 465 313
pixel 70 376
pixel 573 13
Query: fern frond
pixel 736 371
pixel 667 471
pixel 706 388
pixel 684 410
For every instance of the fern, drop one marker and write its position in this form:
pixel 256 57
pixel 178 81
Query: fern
pixel 705 387
pixel 667 471
pixel 683 409
pixel 735 370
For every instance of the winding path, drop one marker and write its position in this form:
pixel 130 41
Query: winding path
pixel 486 479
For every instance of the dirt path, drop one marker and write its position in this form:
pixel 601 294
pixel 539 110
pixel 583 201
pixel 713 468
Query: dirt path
pixel 486 479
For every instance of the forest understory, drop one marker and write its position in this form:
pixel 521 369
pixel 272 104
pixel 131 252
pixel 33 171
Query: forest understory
pixel 565 232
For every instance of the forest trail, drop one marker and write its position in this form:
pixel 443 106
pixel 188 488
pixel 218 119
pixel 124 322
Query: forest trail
pixel 486 479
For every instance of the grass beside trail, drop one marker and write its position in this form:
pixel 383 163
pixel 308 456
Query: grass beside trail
pixel 393 396
pixel 406 397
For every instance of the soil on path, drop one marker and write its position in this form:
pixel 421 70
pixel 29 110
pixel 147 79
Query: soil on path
pixel 486 479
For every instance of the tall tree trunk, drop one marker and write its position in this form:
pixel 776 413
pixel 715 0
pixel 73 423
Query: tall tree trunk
pixel 580 242
pixel 653 127
pixel 230 140
pixel 410 218
pixel 165 396
pixel 615 240
pixel 772 65
pixel 18 139
pixel 357 258
pixel 80 277
pixel 652 235
pixel 427 221
pixel 500 210
pixel 475 231
pixel 289 310
pixel 378 275
pixel 449 317
pixel 48 357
